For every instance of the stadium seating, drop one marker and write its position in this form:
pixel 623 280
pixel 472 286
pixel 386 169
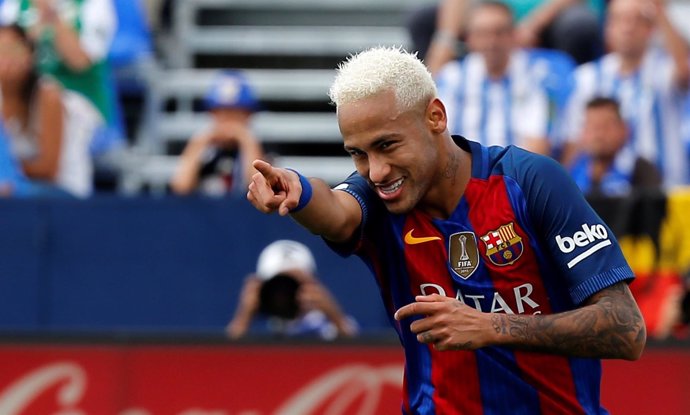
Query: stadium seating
pixel 288 51
pixel 322 28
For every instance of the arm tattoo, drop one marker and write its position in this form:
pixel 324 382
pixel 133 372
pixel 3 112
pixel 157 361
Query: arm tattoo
pixel 609 325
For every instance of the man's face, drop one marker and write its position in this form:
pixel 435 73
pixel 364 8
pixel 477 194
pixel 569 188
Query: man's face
pixel 629 26
pixel 604 132
pixel 398 153
pixel 490 33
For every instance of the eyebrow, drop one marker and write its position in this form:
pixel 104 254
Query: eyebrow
pixel 378 141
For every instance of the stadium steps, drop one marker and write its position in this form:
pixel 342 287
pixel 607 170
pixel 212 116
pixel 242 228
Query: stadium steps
pixel 288 51
pixel 293 28
pixel 284 135
pixel 184 90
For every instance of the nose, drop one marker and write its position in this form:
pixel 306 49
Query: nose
pixel 379 169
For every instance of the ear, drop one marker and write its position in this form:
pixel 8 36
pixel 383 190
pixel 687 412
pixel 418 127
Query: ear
pixel 436 116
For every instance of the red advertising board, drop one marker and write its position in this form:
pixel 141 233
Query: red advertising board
pixel 199 380
pixel 267 380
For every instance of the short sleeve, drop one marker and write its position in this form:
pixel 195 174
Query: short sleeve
pixel 581 246
pixel 356 186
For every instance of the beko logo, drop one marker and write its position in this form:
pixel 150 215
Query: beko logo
pixel 594 236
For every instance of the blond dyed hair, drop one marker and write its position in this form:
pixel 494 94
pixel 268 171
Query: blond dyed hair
pixel 382 69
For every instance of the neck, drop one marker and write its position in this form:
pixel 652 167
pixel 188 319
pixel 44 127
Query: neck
pixel 630 63
pixel 497 69
pixel 454 173
pixel 599 167
pixel 497 72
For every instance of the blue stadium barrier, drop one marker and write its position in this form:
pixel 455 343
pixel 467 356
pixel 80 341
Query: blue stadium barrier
pixel 148 264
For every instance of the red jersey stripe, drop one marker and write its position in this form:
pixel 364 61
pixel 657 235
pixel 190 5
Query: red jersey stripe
pixel 517 280
pixel 454 374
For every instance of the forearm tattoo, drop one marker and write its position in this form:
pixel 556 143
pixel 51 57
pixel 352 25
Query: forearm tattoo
pixel 608 326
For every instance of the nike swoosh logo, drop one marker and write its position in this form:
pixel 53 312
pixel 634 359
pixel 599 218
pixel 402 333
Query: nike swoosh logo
pixel 411 240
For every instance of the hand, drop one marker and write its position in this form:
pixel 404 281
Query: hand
pixel 249 297
pixel 46 10
pixel 247 306
pixel 659 4
pixel 438 55
pixel 653 10
pixel 5 189
pixel 313 295
pixel 229 134
pixel 274 189
pixel 447 323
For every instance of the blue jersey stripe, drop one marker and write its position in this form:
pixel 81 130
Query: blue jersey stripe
pixel 417 356
pixel 587 375
pixel 503 391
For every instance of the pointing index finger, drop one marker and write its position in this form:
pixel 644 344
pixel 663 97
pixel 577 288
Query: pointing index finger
pixel 265 168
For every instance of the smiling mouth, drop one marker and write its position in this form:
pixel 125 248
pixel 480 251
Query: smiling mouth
pixel 391 188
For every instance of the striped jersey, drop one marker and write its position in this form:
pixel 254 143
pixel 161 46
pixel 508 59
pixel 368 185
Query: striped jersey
pixel 495 112
pixel 650 103
pixel 522 240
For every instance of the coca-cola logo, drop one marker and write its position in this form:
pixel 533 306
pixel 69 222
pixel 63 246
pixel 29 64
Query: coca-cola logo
pixel 347 389
pixel 340 388
pixel 17 396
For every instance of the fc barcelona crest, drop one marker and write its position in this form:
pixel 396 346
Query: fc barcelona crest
pixel 463 254
pixel 503 246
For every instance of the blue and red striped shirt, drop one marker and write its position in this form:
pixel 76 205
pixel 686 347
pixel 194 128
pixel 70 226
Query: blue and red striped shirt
pixel 522 240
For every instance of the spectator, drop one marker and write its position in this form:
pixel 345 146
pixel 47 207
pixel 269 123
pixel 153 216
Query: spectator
pixel 218 160
pixel 285 288
pixel 489 92
pixel 649 82
pixel 131 60
pixel 50 128
pixel 571 26
pixel 606 166
pixel 72 39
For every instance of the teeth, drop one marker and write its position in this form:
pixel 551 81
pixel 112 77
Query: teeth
pixel 393 187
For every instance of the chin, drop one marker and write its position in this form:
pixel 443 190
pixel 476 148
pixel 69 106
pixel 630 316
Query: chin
pixel 399 207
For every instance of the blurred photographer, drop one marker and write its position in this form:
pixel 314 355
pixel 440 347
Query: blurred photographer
pixel 285 289
pixel 217 161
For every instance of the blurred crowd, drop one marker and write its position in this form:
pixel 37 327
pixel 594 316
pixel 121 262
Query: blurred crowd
pixel 600 85
pixel 60 108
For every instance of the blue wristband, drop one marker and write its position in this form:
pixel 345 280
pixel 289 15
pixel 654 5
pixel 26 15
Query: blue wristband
pixel 305 197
